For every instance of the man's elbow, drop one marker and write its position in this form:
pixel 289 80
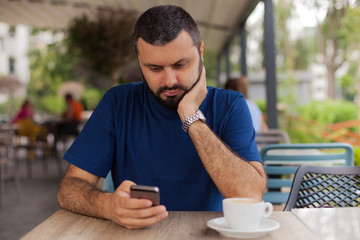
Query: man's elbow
pixel 60 197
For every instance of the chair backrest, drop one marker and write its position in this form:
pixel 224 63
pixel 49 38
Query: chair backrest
pixel 316 186
pixel 282 160
pixel 271 136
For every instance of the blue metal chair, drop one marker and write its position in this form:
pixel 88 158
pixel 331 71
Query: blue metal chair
pixel 281 161
pixel 316 187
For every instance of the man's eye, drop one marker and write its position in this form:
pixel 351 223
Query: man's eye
pixel 179 65
pixel 154 69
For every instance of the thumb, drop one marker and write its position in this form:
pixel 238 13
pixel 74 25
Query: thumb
pixel 125 186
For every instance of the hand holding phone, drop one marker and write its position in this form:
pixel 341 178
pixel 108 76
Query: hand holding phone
pixel 147 192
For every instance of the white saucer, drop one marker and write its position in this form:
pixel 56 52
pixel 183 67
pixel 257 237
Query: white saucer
pixel 220 225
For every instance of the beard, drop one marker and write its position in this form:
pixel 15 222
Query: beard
pixel 173 101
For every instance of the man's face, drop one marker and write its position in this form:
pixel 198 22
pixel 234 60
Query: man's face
pixel 171 70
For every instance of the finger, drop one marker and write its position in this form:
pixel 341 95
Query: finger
pixel 134 223
pixel 147 212
pixel 123 200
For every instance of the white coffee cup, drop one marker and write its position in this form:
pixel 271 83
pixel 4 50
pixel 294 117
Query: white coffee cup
pixel 245 213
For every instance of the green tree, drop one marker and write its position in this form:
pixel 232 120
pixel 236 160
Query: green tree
pixel 350 33
pixel 285 46
pixel 104 43
pixel 333 55
pixel 49 68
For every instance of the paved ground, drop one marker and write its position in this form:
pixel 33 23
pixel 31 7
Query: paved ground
pixel 38 202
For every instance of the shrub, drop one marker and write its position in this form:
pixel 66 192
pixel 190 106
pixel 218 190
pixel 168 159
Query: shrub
pixel 357 156
pixel 307 123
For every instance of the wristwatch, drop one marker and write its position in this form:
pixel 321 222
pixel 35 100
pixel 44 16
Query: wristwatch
pixel 198 115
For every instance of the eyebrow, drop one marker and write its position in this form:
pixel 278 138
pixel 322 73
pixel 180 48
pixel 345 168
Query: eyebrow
pixel 177 62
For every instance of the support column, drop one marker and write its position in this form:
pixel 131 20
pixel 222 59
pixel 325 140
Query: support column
pixel 227 60
pixel 243 41
pixel 270 65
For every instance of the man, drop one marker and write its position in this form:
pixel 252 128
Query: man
pixel 136 131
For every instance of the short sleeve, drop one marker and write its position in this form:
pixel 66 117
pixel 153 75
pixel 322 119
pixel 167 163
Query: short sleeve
pixel 93 150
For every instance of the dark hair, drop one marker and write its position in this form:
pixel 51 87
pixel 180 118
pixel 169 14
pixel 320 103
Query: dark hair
pixel 161 24
pixel 68 96
pixel 240 84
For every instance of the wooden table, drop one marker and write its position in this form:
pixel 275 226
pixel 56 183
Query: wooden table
pixel 179 225
pixel 331 223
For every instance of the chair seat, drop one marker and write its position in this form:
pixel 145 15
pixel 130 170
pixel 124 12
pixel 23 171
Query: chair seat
pixel 281 161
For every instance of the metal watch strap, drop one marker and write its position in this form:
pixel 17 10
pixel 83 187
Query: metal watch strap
pixel 198 115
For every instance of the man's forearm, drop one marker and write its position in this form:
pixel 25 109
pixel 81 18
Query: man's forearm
pixel 233 176
pixel 79 196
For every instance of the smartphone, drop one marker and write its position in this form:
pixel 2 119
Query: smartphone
pixel 148 192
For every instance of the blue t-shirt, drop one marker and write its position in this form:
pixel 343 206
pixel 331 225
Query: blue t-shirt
pixel 142 141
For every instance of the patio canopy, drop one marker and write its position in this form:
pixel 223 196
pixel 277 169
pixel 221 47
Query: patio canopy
pixel 216 18
pixel 218 21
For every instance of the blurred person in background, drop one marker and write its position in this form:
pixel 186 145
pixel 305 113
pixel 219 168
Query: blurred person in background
pixel 70 118
pixel 26 111
pixel 74 110
pixel 25 125
pixel 241 84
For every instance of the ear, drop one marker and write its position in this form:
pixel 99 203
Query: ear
pixel 202 50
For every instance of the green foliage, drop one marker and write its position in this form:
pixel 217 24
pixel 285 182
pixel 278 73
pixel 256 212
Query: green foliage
pixel 357 156
pixel 284 46
pixel 105 43
pixel 50 67
pixel 329 111
pixel 347 84
pixel 305 51
pixel 350 30
pixel 261 105
pixel 53 104
pixel 92 97
pixel 306 124
pixel 288 88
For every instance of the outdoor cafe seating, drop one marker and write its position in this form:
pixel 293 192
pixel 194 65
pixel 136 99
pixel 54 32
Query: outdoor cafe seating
pixel 271 136
pixel 32 138
pixel 281 161
pixel 318 186
pixel 9 169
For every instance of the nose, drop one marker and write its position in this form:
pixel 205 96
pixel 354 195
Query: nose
pixel 170 78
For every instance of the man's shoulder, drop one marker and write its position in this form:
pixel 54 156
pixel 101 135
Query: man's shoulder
pixel 219 94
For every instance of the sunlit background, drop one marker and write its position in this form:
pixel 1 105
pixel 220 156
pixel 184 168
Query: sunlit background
pixel 317 47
